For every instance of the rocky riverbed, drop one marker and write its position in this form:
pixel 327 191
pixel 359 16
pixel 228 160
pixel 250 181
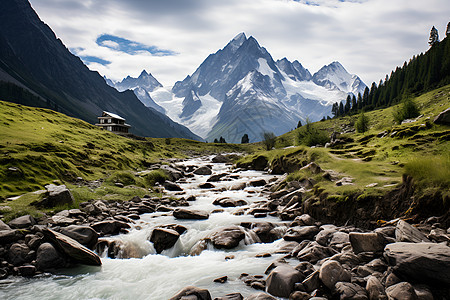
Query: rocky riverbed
pixel 219 233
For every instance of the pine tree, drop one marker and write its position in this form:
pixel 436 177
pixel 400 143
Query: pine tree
pixel 216 141
pixel 335 110
pixel 222 140
pixel 434 37
pixel 341 108
pixel 359 101
pixel 447 32
pixel 299 124
pixel 354 104
pixel 365 98
pixel 348 104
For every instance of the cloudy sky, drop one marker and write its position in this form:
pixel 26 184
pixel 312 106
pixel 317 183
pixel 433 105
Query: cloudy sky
pixel 170 38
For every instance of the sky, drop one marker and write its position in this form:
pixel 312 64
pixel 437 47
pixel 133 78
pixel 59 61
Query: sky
pixel 171 38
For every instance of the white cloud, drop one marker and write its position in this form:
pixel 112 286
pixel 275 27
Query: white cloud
pixel 370 38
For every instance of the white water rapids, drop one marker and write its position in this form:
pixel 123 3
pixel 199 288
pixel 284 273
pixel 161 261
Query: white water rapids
pixel 161 276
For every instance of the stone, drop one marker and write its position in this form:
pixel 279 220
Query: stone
pixel 48 258
pixel 220 159
pixel 4 226
pixel 173 173
pixel 203 171
pixel 232 296
pixel 200 294
pixel 72 248
pixel 17 254
pixel 404 232
pixel 306 268
pixel 216 177
pixel 281 281
pixel 258 182
pixel 339 240
pixel 27 270
pixel 63 221
pixel 170 186
pixel 315 252
pixel 163 238
pixel 387 231
pixel 206 185
pixel 443 117
pixel 297 295
pixel 22 222
pixel 367 242
pixel 112 227
pixel 347 290
pixel 420 261
pixel 303 220
pixel 227 237
pixel 57 195
pixel 347 258
pixel 266 232
pixel 229 202
pixel 238 186
pixel 324 236
pixel 300 233
pixel 222 279
pixel 332 272
pixel 9 236
pixel 313 168
pixel 312 282
pixel 423 292
pixel 401 291
pixel 83 234
pixel 375 289
pixel 190 214
pixel 260 296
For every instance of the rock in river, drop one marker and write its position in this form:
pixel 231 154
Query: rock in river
pixel 227 237
pixel 182 213
pixel 163 238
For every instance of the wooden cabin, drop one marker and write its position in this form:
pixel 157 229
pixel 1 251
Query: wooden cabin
pixel 112 122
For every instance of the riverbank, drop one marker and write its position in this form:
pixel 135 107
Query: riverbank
pixel 220 229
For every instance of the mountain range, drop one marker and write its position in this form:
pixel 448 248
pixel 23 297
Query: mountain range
pixel 34 62
pixel 241 89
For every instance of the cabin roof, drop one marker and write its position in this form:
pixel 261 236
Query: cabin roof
pixel 113 115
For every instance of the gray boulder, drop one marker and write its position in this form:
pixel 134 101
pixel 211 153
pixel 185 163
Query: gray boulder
pixel 72 248
pixel 232 296
pixel 17 254
pixel 260 296
pixel 443 117
pixel 221 159
pixel 56 195
pixel 9 236
pixel 163 238
pixel 332 272
pixel 229 202
pixel 401 291
pixel 4 226
pixel 110 227
pixel 281 281
pixel 22 222
pixel 404 232
pixel 227 237
pixel 300 233
pixel 347 290
pixel 375 289
pixel 367 242
pixel 190 214
pixel 191 293
pixel 83 234
pixel 303 220
pixel 170 186
pixel 258 182
pixel 203 171
pixel 49 258
pixel 420 261
pixel 315 252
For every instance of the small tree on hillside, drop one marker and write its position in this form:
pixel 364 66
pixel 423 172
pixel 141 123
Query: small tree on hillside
pixel 299 124
pixel 222 140
pixel 216 141
pixel 406 110
pixel 269 140
pixel 434 36
pixel 310 136
pixel 245 139
pixel 362 124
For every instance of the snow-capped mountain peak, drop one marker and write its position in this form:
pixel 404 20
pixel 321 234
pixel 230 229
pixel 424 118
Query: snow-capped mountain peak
pixel 335 76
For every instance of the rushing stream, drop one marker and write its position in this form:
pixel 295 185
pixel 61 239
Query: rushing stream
pixel 160 276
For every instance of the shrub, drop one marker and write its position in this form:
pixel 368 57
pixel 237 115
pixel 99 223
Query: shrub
pixel 406 110
pixel 362 124
pixel 155 176
pixel 269 140
pixel 124 177
pixel 310 136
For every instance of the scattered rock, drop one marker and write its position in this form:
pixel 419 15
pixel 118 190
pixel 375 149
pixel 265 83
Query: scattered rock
pixel 22 222
pixel 72 248
pixel 163 238
pixel 258 182
pixel 229 202
pixel 303 220
pixel 300 233
pixel 200 294
pixel 420 261
pixel 227 237
pixel 260 296
pixel 313 168
pixel 332 272
pixel 222 279
pixel 367 242
pixel 216 177
pixel 347 290
pixel 297 295
pixel 3 226
pixel 203 171
pixel 402 290
pixel 375 289
pixel 181 213
pixel 407 233
pixel 17 254
pixel 48 258
pixel 112 227
pixel 232 296
pixel 170 186
pixel 238 186
pixel 282 279
pixel 9 236
pixel 206 185
pixel 57 195
pixel 443 117
pixel 220 159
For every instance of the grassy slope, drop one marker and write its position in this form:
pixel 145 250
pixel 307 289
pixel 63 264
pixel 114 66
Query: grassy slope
pixel 420 151
pixel 39 146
